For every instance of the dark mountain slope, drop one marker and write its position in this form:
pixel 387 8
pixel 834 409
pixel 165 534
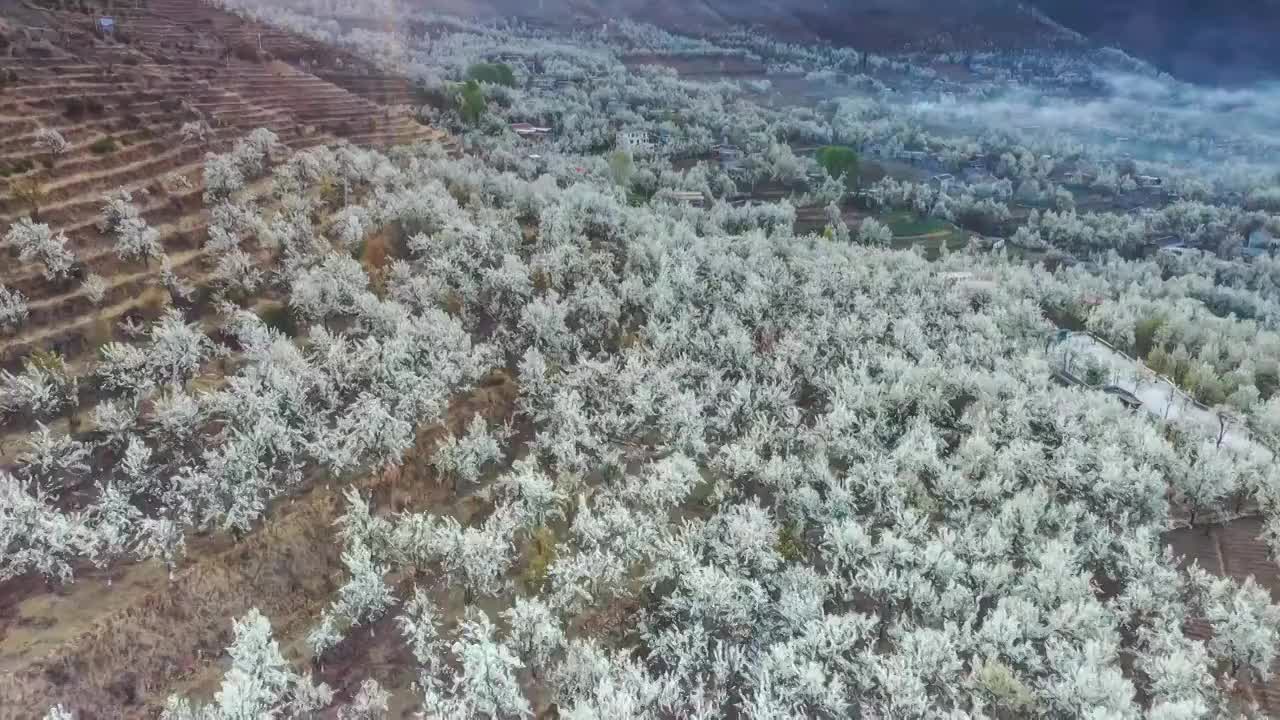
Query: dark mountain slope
pixel 882 25
pixel 1216 42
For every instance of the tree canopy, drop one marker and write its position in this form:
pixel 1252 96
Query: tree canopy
pixel 471 102
pixel 840 162
pixel 495 73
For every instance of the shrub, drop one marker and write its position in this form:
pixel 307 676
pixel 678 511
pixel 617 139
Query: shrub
pixel 435 98
pixel 104 146
pixel 248 52
pixel 1267 380
pixel 17 167
pixel 1144 334
pixel 99 332
pixel 132 60
pixel 542 552
pixel 374 253
pixel 791 542
pixel 73 108
pixel 1094 372
pixel 471 102
pixel 1004 687
pixel 1264 199
pixel 277 316
pixel 30 192
pixel 76 107
pixel 621 167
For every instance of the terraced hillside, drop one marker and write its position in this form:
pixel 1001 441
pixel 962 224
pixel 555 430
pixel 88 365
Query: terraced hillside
pixel 120 108
pixel 140 114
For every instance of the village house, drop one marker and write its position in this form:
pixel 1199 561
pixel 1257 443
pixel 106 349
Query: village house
pixel 637 142
pixel 1258 244
pixel 527 130
pixel 686 197
pixel 915 157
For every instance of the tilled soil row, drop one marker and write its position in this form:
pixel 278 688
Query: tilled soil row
pixel 126 663
pixel 1233 549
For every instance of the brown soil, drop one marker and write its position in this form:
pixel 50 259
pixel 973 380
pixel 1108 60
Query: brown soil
pixel 714 67
pixel 119 651
pixel 175 69
pixel 1233 550
pixel 118 641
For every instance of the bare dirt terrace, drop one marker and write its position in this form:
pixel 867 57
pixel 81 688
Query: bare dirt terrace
pixel 1232 550
pixel 119 640
pixel 117 645
pixel 120 106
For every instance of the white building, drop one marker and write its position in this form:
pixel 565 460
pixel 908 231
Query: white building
pixel 636 142
pixel 685 197
pixel 526 130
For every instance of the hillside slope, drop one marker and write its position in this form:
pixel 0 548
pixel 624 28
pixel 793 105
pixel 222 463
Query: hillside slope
pixel 1197 41
pixel 883 25
pixel 1216 43
pixel 120 108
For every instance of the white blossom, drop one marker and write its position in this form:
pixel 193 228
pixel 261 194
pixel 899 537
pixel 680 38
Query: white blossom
pixel 13 309
pixel 37 243
pixel 51 141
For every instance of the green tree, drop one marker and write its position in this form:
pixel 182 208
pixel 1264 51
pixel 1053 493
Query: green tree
pixel 471 102
pixel 621 167
pixel 496 73
pixel 1144 335
pixel 840 161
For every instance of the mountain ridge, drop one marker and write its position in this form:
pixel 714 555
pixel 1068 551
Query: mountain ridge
pixel 1221 43
pixel 1215 44
pixel 877 25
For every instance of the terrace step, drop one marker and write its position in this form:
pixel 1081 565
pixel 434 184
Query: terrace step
pixel 109 177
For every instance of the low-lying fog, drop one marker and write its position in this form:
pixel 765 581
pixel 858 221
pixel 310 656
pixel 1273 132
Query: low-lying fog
pixel 1229 135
